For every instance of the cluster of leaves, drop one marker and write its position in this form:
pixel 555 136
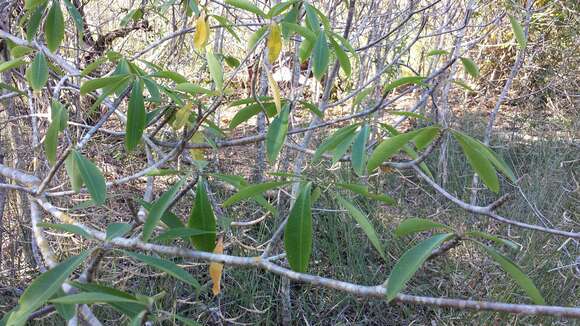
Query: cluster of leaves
pixel 148 86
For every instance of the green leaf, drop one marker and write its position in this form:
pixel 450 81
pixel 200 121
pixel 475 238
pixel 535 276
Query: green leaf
pixel 129 309
pixel 31 4
pixel 305 49
pixel 252 191
pixel 92 297
pixel 463 85
pixel 54 27
pixel 115 230
pixel 203 218
pixel 165 266
pixel 363 190
pixel 302 31
pixel 320 56
pixel 312 108
pixel 74 174
pixel 6 65
pixel 37 73
pixel 410 262
pixel 516 273
pixel 364 223
pixel 76 16
pixel 388 148
pixel 486 236
pixel 416 80
pixel 70 228
pixel 276 134
pixel 51 142
pixel 186 321
pixel 298 232
pixel 92 178
pixel 257 36
pixel 239 183
pixel 215 70
pixel 158 209
pixel 415 225
pixel 174 76
pixel 470 67
pixel 331 142
pixel 342 57
pixel 497 161
pixel 426 136
pixel 94 84
pixel 181 232
pixel 136 117
pixel 342 147
pixel 193 89
pixel 479 162
pixel 248 6
pixel 251 110
pixel 34 22
pixel 437 52
pixel 153 89
pixel 312 18
pixel 66 311
pixel 518 32
pixel 43 288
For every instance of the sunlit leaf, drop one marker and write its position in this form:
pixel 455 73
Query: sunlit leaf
pixel 203 218
pixel 276 135
pixel 470 67
pixel 43 288
pixel 246 5
pixel 165 266
pixel 415 225
pixel 298 232
pixel 410 262
pixel 159 208
pixel 54 27
pixel 201 32
pixel 274 43
pixel 92 178
pixel 364 223
pixel 479 162
pixel 252 190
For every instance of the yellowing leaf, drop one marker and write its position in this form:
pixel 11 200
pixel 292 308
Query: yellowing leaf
pixel 197 153
pixel 182 116
pixel 215 269
pixel 201 32
pixel 275 91
pixel 274 43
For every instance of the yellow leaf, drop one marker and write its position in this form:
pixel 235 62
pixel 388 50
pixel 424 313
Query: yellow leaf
pixel 215 269
pixel 274 43
pixel 201 32
pixel 182 116
pixel 275 91
pixel 197 153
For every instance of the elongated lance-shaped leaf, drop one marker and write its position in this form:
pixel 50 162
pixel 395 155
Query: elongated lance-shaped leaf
pixel 37 73
pixel 518 32
pixel 70 228
pixel 298 232
pixel 251 110
pixel 418 80
pixel 76 16
pixel 128 308
pixel 54 27
pixel 342 57
pixel 43 288
pixel 342 147
pixel 516 273
pixel 11 64
pixel 479 162
pixel 203 218
pixel 165 266
pixel 276 135
pixel 136 117
pixel 159 208
pixel 320 56
pixel 115 230
pixel 470 67
pixel 389 147
pixel 92 297
pixel 248 6
pixel 415 225
pixel 333 141
pixel 73 172
pixel 364 223
pixel 181 232
pixel 410 262
pixel 215 70
pixel 92 178
pixel 358 155
pixel 34 22
pixel 251 191
pixel 274 43
pixel 201 32
pixel 98 83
